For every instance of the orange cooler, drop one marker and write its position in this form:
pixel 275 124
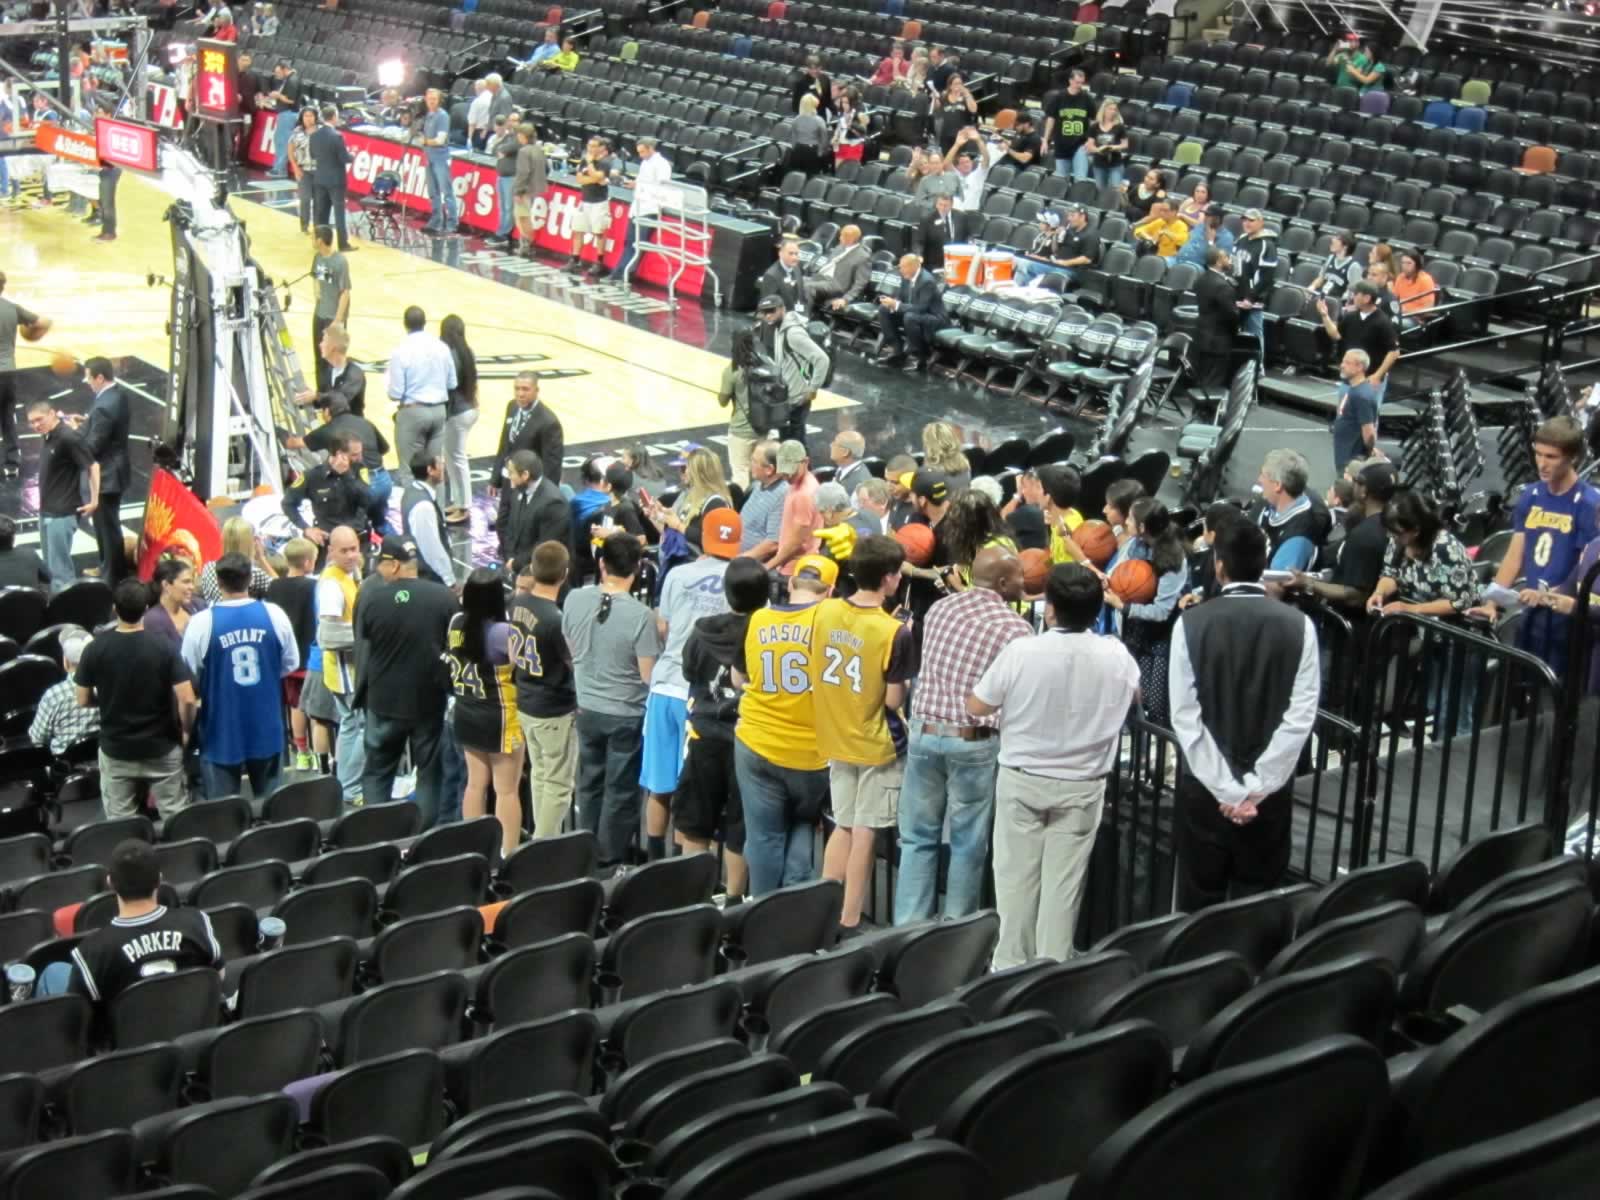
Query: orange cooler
pixel 999 266
pixel 960 263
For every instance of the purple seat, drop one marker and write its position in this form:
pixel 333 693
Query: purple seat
pixel 1375 103
pixel 302 1090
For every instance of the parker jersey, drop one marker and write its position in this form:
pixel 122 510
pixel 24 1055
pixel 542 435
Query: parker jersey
pixel 131 949
pixel 857 652
pixel 777 718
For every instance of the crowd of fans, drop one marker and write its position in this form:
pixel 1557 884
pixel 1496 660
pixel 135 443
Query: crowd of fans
pixel 730 660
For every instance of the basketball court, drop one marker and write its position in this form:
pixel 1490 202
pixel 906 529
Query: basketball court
pixel 611 382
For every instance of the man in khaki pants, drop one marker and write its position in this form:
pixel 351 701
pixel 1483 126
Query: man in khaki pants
pixel 1063 697
pixel 547 705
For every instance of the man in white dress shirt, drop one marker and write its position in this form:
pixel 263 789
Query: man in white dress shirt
pixel 1243 679
pixel 654 173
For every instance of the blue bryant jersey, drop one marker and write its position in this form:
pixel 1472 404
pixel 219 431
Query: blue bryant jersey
pixel 240 693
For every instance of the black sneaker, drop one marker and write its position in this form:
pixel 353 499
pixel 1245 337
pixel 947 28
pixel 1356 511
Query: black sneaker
pixel 846 932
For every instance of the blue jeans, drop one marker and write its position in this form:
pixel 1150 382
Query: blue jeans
pixel 503 189
pixel 223 779
pixel 452 775
pixel 610 749
pixel 1253 321
pixel 1107 177
pixel 629 240
pixel 1028 272
pixel 944 775
pixel 441 193
pixel 55 538
pixel 350 750
pixel 282 131
pixel 1076 167
pixel 387 738
pixel 781 807
pixel 54 980
pixel 380 484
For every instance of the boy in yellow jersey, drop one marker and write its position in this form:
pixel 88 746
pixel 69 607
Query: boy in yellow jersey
pixel 860 660
pixel 783 776
pixel 1062 487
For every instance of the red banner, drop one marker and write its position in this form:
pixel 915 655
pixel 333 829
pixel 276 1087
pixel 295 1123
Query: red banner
pixel 75 147
pixel 475 188
pixel 174 518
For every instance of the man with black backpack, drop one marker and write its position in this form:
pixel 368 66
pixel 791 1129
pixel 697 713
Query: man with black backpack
pixel 802 365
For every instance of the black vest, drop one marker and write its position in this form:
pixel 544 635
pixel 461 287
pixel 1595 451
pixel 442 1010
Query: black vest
pixel 414 495
pixel 1244 651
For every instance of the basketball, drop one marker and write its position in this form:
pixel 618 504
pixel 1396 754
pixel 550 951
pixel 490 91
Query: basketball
pixel 1096 539
pixel 32 333
pixel 1035 570
pixel 917 542
pixel 1135 581
pixel 63 363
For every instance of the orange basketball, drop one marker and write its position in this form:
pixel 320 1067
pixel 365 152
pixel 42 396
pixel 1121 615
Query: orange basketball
pixel 35 331
pixel 1135 581
pixel 917 542
pixel 1096 539
pixel 1035 570
pixel 63 363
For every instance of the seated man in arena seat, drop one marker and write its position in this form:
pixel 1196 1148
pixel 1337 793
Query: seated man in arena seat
pixel 145 939
pixel 840 275
pixel 911 317
pixel 58 721
pixel 1060 249
pixel 1162 231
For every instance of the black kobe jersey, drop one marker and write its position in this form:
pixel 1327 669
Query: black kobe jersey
pixel 128 950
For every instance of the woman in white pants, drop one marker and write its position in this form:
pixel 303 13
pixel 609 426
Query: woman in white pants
pixel 461 416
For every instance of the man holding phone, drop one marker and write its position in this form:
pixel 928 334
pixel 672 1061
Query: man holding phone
pixel 593 221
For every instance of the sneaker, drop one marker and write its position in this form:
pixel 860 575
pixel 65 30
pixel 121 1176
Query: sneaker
pixel 304 760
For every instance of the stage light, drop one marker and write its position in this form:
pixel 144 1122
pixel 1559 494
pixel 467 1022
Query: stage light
pixel 391 73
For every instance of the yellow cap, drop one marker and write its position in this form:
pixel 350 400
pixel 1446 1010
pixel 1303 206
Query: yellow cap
pixel 818 567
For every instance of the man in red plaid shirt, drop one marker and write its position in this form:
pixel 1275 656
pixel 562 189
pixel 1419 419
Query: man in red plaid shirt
pixel 952 758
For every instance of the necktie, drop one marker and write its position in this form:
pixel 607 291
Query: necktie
pixel 519 418
pixel 949 227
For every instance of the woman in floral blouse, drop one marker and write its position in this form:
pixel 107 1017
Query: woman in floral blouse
pixel 1428 573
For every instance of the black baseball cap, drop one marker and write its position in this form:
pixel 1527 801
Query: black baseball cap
pixel 931 485
pixel 398 549
pixel 1380 480
pixel 770 304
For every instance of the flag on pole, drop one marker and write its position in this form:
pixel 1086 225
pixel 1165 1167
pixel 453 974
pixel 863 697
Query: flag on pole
pixel 174 518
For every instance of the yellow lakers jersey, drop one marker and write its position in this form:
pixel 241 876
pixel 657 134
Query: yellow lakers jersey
pixel 486 694
pixel 776 719
pixel 339 666
pixel 1060 550
pixel 849 656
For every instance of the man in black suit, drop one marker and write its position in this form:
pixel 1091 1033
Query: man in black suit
pixel 538 511
pixel 1218 301
pixel 784 278
pixel 813 80
pixel 529 425
pixel 329 157
pixel 914 315
pixel 19 566
pixel 938 229
pixel 106 435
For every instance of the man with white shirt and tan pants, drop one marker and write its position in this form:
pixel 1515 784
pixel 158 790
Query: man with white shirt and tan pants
pixel 1063 698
